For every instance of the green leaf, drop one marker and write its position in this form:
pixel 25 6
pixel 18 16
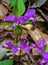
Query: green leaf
pixel 12 2
pixel 19 8
pixel 15 43
pixel 6 62
pixel 24 1
pixel 7 23
pixel 8 48
pixel 44 48
pixel 27 22
pixel 38 3
pixel 18 30
pixel 34 51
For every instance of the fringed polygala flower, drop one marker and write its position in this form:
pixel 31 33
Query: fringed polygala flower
pixel 24 47
pixel 14 49
pixel 11 46
pixel 42 44
pixel 29 15
pixel 39 47
pixel 44 54
pixel 44 58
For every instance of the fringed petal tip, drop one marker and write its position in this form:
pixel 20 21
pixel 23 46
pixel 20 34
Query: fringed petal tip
pixel 42 42
pixel 33 19
pixel 14 25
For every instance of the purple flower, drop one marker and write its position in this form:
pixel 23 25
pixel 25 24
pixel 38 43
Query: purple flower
pixel 46 63
pixel 27 16
pixel 30 12
pixel 33 19
pixel 43 61
pixel 14 25
pixel 42 42
pixel 45 55
pixel 24 47
pixel 10 45
pixel 9 18
pixel 15 49
pixel 39 47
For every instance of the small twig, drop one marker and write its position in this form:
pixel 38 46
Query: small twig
pixel 42 14
pixel 31 58
pixel 26 57
pixel 29 4
pixel 7 7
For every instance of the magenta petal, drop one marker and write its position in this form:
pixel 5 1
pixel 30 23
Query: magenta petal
pixel 19 47
pixel 32 44
pixel 39 51
pixel 42 42
pixel 14 49
pixel 30 12
pixel 45 60
pixel 16 20
pixel 45 55
pixel 22 42
pixel 42 62
pixel 27 16
pixel 33 19
pixel 22 20
pixel 3 46
pixel 9 44
pixel 14 25
pixel 9 18
pixel 27 50
pixel 46 63
pixel 25 47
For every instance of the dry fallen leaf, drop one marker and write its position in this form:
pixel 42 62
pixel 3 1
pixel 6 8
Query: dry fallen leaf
pixel 36 34
pixel 24 34
pixel 3 11
pixel 6 2
pixel 9 34
pixel 1 28
pixel 3 34
pixel 39 18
